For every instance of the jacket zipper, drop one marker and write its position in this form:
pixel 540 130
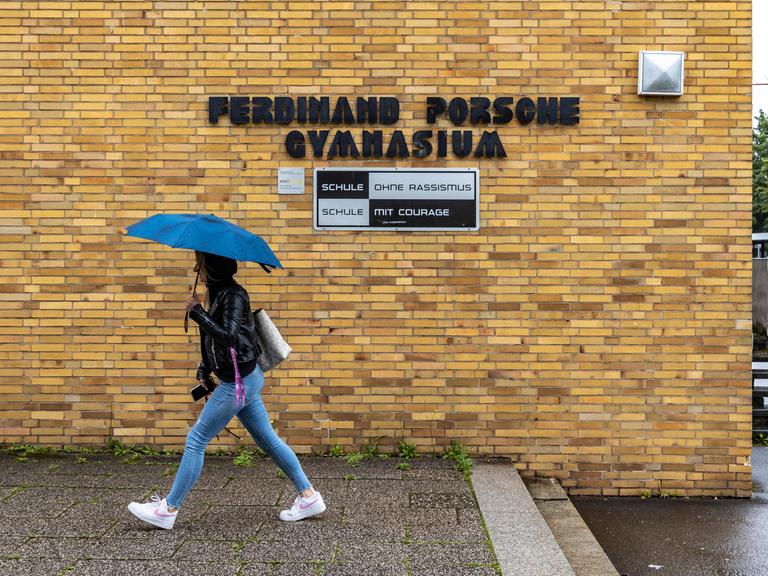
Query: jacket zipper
pixel 213 352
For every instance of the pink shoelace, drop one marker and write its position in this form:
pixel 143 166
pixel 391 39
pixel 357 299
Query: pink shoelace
pixel 239 386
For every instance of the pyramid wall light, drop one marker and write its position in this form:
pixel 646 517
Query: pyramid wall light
pixel 660 73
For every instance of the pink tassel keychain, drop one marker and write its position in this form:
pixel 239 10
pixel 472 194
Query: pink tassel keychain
pixel 239 386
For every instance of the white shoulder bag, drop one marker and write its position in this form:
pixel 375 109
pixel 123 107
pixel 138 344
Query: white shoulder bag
pixel 274 348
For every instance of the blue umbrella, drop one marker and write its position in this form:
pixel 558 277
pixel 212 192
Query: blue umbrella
pixel 206 233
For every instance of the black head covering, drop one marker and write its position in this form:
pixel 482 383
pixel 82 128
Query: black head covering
pixel 219 269
pixel 218 273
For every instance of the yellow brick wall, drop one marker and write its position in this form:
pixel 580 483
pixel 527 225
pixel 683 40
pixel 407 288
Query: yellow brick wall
pixel 596 328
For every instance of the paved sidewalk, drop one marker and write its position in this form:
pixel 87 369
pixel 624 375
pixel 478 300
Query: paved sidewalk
pixel 62 515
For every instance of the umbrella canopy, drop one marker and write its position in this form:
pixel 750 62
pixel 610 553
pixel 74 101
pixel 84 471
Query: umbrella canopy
pixel 205 233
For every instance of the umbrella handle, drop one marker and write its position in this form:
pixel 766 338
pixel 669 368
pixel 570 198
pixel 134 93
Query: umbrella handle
pixel 194 293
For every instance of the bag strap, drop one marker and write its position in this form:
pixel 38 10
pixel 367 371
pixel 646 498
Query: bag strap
pixel 239 387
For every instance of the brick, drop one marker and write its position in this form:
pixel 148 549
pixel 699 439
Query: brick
pixel 598 322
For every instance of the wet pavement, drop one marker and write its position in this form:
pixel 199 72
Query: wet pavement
pixel 685 537
pixel 66 514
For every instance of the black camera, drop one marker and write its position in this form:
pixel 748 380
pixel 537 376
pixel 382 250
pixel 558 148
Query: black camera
pixel 203 389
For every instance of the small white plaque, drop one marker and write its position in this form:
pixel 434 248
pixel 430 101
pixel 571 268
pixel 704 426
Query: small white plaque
pixel 290 180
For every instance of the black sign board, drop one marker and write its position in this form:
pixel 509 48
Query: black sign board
pixel 396 199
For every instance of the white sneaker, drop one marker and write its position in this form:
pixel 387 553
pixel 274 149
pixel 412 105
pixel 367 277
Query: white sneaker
pixel 154 512
pixel 304 508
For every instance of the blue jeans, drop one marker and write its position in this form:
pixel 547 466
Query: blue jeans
pixel 217 412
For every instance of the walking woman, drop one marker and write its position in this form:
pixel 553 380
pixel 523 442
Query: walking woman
pixel 225 333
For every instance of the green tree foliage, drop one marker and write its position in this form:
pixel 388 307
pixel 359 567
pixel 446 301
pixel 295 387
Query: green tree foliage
pixel 760 174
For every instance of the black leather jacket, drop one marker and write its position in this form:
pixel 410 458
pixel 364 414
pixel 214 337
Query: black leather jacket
pixel 228 323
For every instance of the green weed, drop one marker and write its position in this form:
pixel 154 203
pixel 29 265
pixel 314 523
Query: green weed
pixel 407 534
pixel 459 455
pixel 237 546
pixel 760 439
pixel 259 453
pixel 406 450
pixel 244 458
pixel 354 458
pixel 371 449
pixel 132 458
pixel 78 450
pixel 130 454
pixel 117 448
pixel 22 452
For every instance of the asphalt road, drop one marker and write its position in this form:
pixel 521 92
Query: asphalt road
pixel 685 537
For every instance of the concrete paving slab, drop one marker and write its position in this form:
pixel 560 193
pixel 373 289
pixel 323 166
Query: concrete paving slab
pixel 454 571
pixel 8 544
pixel 431 485
pixel 240 491
pixel 133 549
pixel 255 569
pixel 580 547
pixel 31 567
pixel 362 551
pixel 458 534
pixel 522 540
pixel 42 501
pixel 102 481
pixel 129 528
pixel 451 500
pixel 66 525
pixel 371 468
pixel 332 489
pixel 19 528
pixel 367 514
pixel 258 468
pixel 470 516
pixel 232 522
pixel 287 551
pixel 427 556
pixel 365 570
pixel 545 489
pixel 363 491
pixel 419 470
pixel 333 531
pixel 81 520
pixel 297 569
pixel 68 549
pixel 210 550
pixel 117 498
pixel 147 568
